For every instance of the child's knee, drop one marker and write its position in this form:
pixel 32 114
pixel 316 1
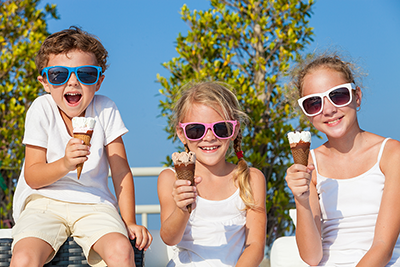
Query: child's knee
pixel 27 257
pixel 118 252
pixel 31 252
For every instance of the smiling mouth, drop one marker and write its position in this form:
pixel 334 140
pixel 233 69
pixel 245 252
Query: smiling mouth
pixel 209 148
pixel 73 98
pixel 334 121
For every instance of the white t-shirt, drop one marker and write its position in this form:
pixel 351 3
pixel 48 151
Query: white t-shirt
pixel 44 127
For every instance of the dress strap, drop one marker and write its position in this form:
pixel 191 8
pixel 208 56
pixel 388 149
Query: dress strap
pixel 314 160
pixel 381 149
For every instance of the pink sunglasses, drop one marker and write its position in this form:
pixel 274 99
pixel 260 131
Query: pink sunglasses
pixel 195 131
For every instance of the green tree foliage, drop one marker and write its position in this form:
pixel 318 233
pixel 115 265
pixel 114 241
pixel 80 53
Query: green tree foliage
pixel 249 45
pixel 22 30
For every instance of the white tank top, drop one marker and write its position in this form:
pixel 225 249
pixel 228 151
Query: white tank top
pixel 214 234
pixel 349 209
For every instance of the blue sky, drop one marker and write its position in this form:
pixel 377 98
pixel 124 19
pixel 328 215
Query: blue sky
pixel 140 36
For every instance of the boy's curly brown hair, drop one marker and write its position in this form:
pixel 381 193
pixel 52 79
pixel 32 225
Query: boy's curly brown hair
pixel 70 39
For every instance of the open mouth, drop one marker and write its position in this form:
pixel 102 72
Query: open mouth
pixel 73 98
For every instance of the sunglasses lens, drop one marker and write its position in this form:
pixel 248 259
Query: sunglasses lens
pixel 223 129
pixel 340 96
pixel 87 75
pixel 194 131
pixel 57 75
pixel 312 105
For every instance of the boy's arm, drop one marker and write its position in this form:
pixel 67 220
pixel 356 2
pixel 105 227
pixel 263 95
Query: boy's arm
pixel 38 173
pixel 125 192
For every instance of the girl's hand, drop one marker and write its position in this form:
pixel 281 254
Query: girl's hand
pixel 76 152
pixel 142 235
pixel 298 178
pixel 185 194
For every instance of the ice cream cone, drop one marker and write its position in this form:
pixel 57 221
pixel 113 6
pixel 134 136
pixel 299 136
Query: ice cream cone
pixel 184 168
pixel 83 129
pixel 300 152
pixel 86 139
pixel 300 145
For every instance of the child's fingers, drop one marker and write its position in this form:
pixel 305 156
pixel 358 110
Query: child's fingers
pixel 149 240
pixel 143 239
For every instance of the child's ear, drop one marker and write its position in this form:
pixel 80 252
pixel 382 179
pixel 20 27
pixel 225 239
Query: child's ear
pixel 237 128
pixel 181 135
pixel 358 96
pixel 98 84
pixel 45 84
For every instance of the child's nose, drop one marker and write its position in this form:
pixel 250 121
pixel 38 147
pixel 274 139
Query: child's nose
pixel 209 134
pixel 73 80
pixel 329 108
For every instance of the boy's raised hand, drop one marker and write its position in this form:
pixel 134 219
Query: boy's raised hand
pixel 142 235
pixel 75 153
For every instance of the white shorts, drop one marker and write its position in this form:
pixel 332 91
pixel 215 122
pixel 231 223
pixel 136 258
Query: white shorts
pixel 54 221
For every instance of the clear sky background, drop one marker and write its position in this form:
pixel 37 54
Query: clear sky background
pixel 140 36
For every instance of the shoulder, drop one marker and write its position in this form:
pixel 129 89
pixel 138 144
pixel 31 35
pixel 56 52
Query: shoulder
pixel 165 180
pixel 257 178
pixel 102 101
pixel 390 157
pixel 42 102
pixel 43 111
pixel 391 151
pixel 166 174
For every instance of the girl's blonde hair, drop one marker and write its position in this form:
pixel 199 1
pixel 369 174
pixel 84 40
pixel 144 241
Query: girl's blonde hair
pixel 217 96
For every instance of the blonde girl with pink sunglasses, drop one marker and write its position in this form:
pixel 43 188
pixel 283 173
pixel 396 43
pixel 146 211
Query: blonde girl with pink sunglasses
pixel 227 225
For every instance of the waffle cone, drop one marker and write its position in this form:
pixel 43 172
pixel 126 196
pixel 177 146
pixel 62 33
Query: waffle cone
pixel 86 139
pixel 300 152
pixel 186 172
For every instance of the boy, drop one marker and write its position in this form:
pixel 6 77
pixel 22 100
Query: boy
pixel 50 202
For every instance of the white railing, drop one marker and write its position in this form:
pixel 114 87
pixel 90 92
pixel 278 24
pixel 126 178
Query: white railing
pixel 144 210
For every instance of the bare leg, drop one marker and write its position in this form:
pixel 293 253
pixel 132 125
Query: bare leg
pixel 116 250
pixel 31 252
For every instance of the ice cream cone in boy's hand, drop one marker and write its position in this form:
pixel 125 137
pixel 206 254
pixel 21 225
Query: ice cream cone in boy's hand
pixel 83 129
pixel 184 168
pixel 300 145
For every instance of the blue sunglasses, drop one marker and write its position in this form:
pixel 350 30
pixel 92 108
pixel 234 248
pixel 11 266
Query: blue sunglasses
pixel 58 75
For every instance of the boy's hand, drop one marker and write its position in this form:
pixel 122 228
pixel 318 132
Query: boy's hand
pixel 142 235
pixel 75 153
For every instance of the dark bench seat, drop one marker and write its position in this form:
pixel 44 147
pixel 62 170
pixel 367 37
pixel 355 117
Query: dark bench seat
pixel 70 254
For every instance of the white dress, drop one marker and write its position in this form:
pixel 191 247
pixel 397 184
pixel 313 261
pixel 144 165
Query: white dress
pixel 214 235
pixel 349 210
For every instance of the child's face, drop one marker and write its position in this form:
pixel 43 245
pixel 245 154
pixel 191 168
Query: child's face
pixel 72 97
pixel 334 121
pixel 209 150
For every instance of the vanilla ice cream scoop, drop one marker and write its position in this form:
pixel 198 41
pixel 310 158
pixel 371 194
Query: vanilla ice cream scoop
pixel 295 137
pixel 82 124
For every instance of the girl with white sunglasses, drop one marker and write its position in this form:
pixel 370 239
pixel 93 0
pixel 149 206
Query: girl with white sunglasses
pixel 347 197
pixel 227 224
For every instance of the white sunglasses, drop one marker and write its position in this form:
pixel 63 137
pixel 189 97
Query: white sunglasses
pixel 339 96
